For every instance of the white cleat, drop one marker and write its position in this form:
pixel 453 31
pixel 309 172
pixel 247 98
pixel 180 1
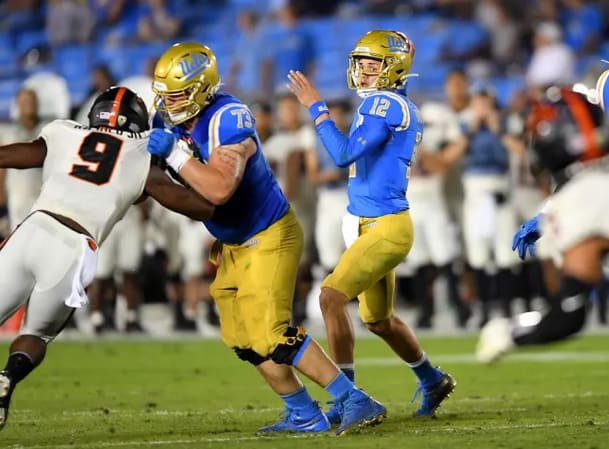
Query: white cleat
pixel 495 340
pixel 5 388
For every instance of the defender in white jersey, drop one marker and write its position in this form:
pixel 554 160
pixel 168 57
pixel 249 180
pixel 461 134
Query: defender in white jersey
pixel 91 175
pixel 570 139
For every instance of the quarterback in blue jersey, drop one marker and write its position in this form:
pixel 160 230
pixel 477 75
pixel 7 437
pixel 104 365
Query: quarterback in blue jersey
pixel 378 230
pixel 212 145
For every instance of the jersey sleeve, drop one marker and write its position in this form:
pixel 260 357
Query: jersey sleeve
pixel 232 124
pixel 395 112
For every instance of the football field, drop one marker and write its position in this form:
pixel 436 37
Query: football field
pixel 197 394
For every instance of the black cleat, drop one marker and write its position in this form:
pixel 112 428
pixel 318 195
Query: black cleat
pixel 6 391
pixel 433 397
pixel 134 327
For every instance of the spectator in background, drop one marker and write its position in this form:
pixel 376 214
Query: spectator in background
pixel 497 18
pixel 583 24
pixel 20 15
pixel 22 186
pixel 552 61
pixel 108 12
pixel 287 45
pixel 156 22
pixel 101 79
pixel 69 21
pixel 244 71
pixel 466 39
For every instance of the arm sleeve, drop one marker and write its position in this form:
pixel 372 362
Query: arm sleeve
pixel 372 132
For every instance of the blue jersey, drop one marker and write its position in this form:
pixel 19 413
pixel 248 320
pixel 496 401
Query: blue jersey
pixel 258 201
pixel 385 132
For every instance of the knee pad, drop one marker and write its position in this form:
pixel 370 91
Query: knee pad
pixel 249 355
pixel 291 346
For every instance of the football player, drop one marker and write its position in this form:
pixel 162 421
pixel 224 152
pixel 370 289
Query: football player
pixel 120 255
pixel 91 175
pixel 378 229
pixel 212 145
pixel 571 140
pixel 435 248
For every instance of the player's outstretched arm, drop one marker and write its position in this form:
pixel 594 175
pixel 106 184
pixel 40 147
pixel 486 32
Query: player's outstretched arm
pixel 23 154
pixel 176 197
pixel 370 134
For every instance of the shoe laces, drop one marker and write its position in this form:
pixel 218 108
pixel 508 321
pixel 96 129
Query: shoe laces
pixel 419 392
pixel 338 404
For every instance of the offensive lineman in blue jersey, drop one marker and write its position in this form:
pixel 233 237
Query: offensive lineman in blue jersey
pixel 377 228
pixel 213 147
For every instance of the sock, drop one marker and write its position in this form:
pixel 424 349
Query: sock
pixel 97 318
pixel 348 369
pixel 131 316
pixel 339 387
pixel 18 366
pixel 299 399
pixel 427 374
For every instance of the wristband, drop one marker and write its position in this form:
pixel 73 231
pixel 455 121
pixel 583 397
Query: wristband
pixel 177 158
pixel 3 210
pixel 318 108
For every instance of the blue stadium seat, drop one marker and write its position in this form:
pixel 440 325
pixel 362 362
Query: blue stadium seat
pixel 8 57
pixel 506 87
pixel 30 39
pixel 115 57
pixel 73 61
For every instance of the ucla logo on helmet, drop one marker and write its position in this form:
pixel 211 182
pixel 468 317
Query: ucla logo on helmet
pixel 193 64
pixel 397 44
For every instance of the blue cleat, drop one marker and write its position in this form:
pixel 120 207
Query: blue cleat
pixel 433 396
pixel 335 413
pixel 306 419
pixel 360 410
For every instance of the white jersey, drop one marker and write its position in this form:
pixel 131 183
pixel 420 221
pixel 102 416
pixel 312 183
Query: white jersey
pixel 92 175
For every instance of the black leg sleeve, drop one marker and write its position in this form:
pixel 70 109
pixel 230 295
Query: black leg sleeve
pixel 566 316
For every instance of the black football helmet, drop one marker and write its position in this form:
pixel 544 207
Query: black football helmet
pixel 119 108
pixel 567 130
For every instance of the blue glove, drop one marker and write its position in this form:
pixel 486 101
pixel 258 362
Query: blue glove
pixel 161 142
pixel 526 236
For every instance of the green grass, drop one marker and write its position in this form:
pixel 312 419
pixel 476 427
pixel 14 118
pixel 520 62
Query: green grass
pixel 193 394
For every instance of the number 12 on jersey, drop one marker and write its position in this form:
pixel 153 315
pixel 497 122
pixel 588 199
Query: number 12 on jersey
pixel 99 152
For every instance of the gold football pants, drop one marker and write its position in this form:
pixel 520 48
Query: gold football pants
pixel 366 268
pixel 254 286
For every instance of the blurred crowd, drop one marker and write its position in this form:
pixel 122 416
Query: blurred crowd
pixel 470 187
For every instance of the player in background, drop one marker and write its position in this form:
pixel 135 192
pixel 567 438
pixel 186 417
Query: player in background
pixel 118 262
pixel 570 138
pixel 22 186
pixel 259 239
pixel 91 175
pixel 435 247
pixel 377 228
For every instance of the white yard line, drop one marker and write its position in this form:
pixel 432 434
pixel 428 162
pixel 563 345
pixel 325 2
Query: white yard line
pixel 469 358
